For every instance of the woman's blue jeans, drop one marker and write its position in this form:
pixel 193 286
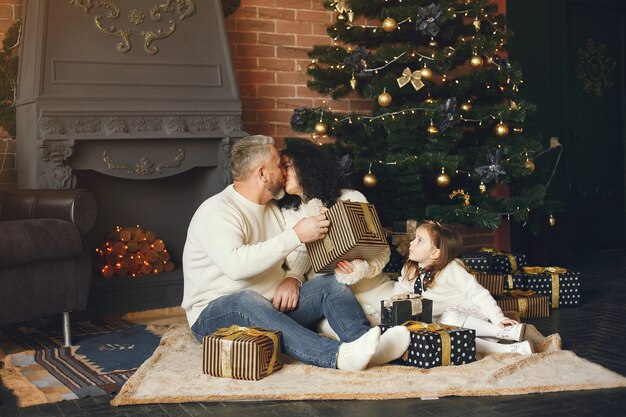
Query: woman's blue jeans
pixel 320 297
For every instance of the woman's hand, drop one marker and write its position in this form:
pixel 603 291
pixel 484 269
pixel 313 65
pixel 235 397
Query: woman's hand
pixel 345 267
pixel 508 322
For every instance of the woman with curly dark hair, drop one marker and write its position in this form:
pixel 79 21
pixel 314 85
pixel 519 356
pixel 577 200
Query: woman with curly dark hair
pixel 314 181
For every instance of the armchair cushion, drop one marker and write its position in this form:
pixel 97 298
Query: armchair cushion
pixel 37 240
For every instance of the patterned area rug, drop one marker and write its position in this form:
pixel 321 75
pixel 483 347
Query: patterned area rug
pixel 105 354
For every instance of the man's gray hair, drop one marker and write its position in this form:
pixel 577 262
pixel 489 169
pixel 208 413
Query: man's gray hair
pixel 248 152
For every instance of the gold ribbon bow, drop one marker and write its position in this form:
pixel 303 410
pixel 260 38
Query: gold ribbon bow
pixel 441 329
pixel 511 257
pixel 415 299
pixel 414 77
pixel 522 300
pixel 554 272
pixel 233 332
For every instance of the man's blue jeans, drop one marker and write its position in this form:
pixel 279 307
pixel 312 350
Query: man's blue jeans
pixel 319 297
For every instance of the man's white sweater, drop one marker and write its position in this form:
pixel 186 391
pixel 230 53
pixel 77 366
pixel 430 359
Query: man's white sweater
pixel 232 245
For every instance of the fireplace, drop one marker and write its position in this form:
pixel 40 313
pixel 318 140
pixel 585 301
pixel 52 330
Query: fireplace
pixel 137 102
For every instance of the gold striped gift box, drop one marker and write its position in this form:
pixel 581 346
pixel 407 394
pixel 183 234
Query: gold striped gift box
pixel 529 304
pixel 249 353
pixel 355 233
pixel 494 283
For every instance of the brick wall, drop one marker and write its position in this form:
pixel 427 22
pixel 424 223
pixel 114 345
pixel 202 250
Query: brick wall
pixel 9 12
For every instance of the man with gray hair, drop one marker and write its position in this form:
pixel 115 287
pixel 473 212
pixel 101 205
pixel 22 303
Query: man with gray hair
pixel 233 265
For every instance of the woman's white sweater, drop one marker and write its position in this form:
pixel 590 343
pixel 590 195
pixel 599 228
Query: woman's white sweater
pixel 455 287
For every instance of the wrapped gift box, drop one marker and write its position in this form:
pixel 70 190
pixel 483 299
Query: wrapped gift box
pixel 494 283
pixel 435 345
pixel 355 233
pixel 528 304
pixel 560 285
pixel 237 352
pixel 488 260
pixel 515 281
pixel 405 307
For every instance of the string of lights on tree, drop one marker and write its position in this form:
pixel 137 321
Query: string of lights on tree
pixel 446 110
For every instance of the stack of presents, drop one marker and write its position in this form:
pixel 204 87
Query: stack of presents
pixel 530 291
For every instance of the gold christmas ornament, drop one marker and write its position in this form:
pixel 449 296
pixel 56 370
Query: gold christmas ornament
pixel 461 193
pixel 353 82
pixel 476 61
pixel 466 106
pixel 530 165
pixel 476 24
pixel 389 25
pixel 384 99
pixel 414 77
pixel 321 128
pixel 432 130
pixel 482 187
pixel 370 180
pixel 551 220
pixel 443 179
pixel 426 73
pixel 501 129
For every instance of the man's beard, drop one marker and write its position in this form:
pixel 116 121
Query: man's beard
pixel 277 191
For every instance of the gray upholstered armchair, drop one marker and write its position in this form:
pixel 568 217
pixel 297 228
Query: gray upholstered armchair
pixel 45 267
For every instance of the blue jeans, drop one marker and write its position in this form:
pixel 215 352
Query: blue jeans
pixel 320 297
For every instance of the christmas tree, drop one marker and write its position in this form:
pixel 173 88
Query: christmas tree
pixel 446 132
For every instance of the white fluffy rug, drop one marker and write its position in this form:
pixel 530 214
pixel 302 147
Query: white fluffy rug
pixel 174 374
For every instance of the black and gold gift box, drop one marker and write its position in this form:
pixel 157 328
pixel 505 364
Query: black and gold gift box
pixel 560 285
pixel 355 233
pixel 495 262
pixel 528 304
pixel 494 283
pixel 249 353
pixel 436 344
pixel 515 281
pixel 405 307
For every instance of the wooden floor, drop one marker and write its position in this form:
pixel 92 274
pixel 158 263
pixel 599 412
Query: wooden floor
pixel 595 331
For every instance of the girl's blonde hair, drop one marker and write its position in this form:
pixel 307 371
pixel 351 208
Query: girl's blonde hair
pixel 450 245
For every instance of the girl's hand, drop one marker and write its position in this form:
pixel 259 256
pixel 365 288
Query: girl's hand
pixel 345 267
pixel 508 322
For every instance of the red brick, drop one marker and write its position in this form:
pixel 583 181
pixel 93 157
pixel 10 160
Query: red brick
pixel 361 105
pixel 246 63
pixel 304 28
pixel 276 91
pixel 249 115
pixel 299 77
pixel 292 103
pixel 256 25
pixel 255 103
pixel 277 39
pixel 314 16
pixel 255 77
pixel 265 51
pixel 8 176
pixel 6 11
pixel 260 128
pixel 243 37
pixel 320 29
pixel 277 64
pixel 266 3
pixel 247 90
pixel 278 14
pixel 303 91
pixel 296 4
pixel 246 12
pixel 283 130
pixel 291 52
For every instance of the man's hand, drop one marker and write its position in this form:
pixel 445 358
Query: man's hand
pixel 312 228
pixel 287 295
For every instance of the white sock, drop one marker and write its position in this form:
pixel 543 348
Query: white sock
pixel 482 327
pixel 393 343
pixel 355 356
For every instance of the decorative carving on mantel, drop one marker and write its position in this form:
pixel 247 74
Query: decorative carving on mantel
pixel 114 126
pixel 181 8
pixel 144 166
pixel 54 170
pixel 224 160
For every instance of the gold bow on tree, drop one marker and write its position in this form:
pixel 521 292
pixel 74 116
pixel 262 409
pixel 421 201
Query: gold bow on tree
pixel 415 78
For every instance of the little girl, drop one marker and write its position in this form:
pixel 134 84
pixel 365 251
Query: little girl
pixel 458 299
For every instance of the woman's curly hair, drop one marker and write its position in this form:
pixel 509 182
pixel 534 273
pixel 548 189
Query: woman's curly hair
pixel 318 172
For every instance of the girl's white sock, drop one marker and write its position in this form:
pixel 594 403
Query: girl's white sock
pixel 485 346
pixel 354 356
pixel 482 327
pixel 393 343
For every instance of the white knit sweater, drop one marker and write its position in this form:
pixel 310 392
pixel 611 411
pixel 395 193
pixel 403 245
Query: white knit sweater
pixel 233 244
pixel 455 287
